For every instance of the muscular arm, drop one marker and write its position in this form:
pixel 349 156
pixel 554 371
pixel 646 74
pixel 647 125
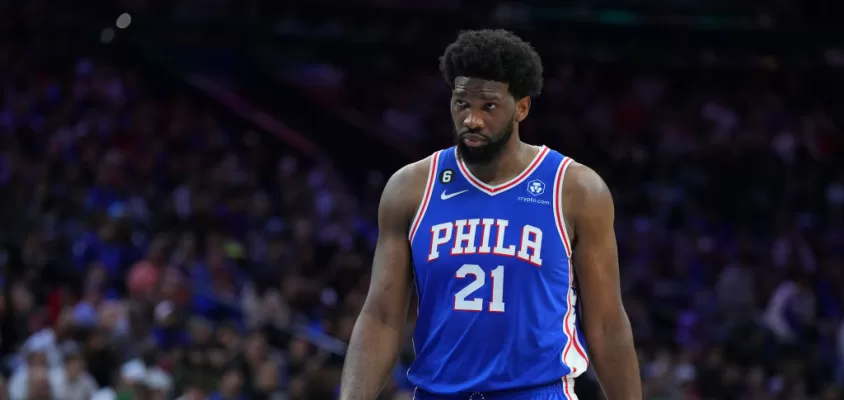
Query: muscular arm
pixel 589 209
pixel 375 340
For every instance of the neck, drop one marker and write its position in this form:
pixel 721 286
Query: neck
pixel 503 167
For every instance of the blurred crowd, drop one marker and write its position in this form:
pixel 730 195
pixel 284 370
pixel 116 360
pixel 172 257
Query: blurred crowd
pixel 152 250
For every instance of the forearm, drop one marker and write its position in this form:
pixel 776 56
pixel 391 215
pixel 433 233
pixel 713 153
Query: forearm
pixel 372 352
pixel 614 358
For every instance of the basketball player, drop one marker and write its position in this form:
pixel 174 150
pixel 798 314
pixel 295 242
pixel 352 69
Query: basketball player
pixel 511 249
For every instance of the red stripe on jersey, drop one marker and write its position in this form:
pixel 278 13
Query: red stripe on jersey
pixel 429 187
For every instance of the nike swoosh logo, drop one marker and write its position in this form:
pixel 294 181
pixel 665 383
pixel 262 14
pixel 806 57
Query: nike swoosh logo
pixel 445 196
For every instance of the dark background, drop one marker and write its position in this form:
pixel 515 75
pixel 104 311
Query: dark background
pixel 189 191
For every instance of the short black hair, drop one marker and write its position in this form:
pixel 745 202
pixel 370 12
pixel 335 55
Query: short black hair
pixel 495 55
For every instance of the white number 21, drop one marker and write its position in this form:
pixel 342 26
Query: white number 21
pixel 461 303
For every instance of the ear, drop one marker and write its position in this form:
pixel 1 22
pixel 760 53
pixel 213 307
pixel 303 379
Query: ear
pixel 522 108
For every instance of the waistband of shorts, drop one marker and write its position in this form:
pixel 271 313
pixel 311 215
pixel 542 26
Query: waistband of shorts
pixel 556 386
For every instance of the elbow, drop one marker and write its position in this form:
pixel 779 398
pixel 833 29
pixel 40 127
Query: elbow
pixel 612 325
pixel 383 314
pixel 609 338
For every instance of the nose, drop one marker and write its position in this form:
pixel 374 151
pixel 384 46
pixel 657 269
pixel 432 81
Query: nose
pixel 473 121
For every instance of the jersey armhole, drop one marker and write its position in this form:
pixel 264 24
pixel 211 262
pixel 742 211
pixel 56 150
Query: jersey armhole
pixel 426 197
pixel 559 219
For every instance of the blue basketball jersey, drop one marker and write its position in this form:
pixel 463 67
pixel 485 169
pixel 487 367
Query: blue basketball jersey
pixel 497 306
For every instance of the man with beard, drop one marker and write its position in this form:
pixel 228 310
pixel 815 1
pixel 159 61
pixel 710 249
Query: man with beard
pixel 493 232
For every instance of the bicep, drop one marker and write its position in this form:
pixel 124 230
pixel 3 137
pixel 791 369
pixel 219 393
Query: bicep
pixel 595 252
pixel 389 286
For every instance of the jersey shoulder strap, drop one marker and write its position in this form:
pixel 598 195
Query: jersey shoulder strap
pixel 437 171
pixel 448 166
pixel 562 165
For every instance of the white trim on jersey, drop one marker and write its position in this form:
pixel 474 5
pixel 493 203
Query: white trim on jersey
pixel 558 203
pixel 426 197
pixel 493 190
pixel 568 387
pixel 412 339
pixel 576 360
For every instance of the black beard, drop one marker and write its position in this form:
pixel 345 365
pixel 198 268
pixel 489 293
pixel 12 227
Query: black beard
pixel 487 153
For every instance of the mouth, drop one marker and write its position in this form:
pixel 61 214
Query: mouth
pixel 473 140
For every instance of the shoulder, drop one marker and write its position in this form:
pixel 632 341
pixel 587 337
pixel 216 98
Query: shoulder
pixel 582 181
pixel 19 378
pixel 58 378
pixel 405 189
pixel 585 194
pixel 415 173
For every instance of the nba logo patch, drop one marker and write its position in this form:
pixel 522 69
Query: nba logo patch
pixel 536 187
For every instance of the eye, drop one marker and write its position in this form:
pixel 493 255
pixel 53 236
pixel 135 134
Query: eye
pixel 490 106
pixel 460 103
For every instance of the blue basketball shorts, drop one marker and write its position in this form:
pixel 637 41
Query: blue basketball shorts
pixel 557 390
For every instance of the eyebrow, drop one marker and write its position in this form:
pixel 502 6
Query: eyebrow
pixel 485 95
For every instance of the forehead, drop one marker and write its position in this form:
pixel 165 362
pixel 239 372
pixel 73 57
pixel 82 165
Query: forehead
pixel 464 86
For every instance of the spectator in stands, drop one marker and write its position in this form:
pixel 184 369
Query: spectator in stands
pixel 32 380
pixel 74 382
